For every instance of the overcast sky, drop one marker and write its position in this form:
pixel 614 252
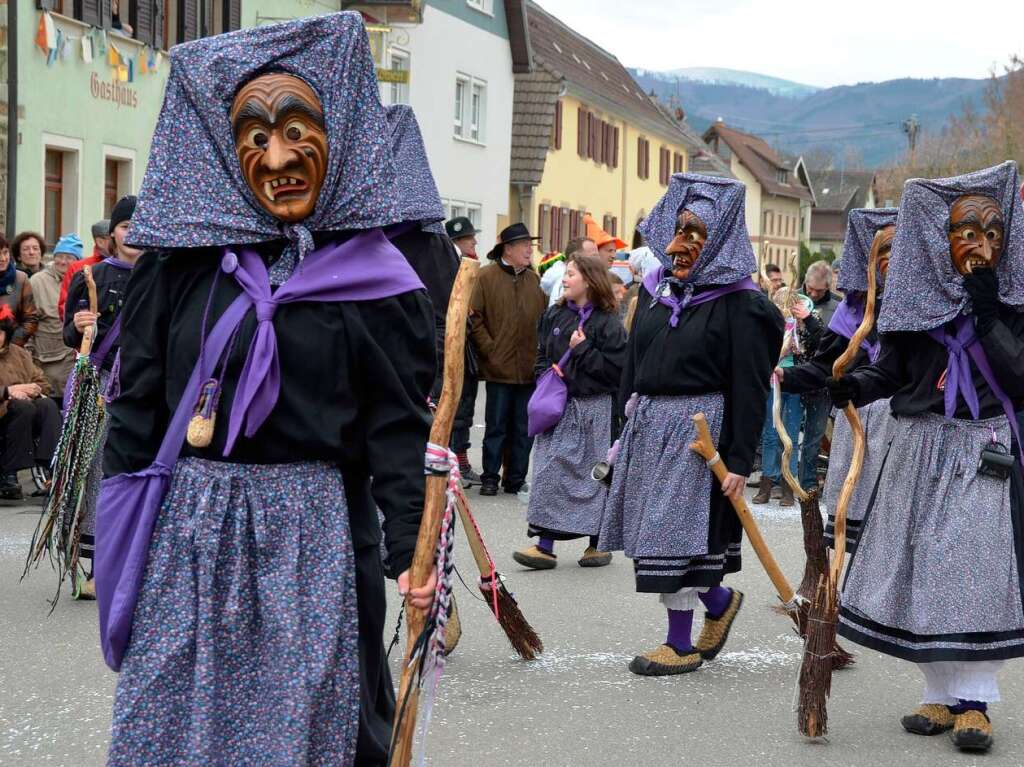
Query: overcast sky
pixel 817 42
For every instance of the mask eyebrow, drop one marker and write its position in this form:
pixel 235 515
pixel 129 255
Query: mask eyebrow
pixel 292 104
pixel 251 110
pixel 971 219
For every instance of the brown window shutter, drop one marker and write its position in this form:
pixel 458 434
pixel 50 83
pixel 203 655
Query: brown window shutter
pixel 88 11
pixel 563 230
pixel 581 132
pixel 640 157
pixel 232 15
pixel 647 158
pixel 143 20
pixel 188 20
pixel 615 226
pixel 615 147
pixel 543 225
pixel 606 223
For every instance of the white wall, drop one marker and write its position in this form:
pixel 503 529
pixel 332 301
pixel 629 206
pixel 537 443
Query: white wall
pixel 439 48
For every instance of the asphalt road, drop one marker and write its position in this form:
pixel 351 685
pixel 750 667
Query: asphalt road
pixel 577 705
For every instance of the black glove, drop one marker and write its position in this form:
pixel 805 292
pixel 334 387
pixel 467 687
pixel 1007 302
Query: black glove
pixel 982 285
pixel 842 390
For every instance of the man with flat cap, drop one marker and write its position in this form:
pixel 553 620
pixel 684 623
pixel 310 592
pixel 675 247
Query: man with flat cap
pixel 506 306
pixel 462 233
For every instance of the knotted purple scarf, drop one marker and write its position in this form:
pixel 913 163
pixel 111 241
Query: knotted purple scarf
pixel 583 312
pixel 662 293
pixel 845 321
pixel 363 268
pixel 963 347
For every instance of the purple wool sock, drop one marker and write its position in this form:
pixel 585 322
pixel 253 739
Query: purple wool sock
pixel 547 545
pixel 680 624
pixel 963 706
pixel 716 600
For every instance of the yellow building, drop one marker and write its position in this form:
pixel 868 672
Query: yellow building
pixel 585 137
pixel 776 197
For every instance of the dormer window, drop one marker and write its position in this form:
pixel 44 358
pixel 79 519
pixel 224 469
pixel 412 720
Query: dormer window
pixel 782 175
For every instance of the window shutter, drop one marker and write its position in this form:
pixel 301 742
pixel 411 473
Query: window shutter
pixel 89 12
pixel 188 20
pixel 143 20
pixel 574 224
pixel 581 228
pixel 615 147
pixel 640 157
pixel 592 133
pixel 581 132
pixel 606 223
pixel 555 234
pixel 647 158
pixel 563 230
pixel 615 227
pixel 232 15
pixel 544 225
pixel 45 5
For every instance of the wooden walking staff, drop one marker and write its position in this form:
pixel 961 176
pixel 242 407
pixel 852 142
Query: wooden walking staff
pixel 434 504
pixel 816 668
pixel 780 427
pixel 520 633
pixel 704 446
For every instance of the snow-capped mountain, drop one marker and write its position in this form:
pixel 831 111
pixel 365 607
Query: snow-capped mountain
pixel 721 76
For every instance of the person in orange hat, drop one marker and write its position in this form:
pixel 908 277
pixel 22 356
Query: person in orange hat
pixel 607 245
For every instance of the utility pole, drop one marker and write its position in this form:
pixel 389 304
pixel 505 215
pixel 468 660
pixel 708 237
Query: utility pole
pixel 912 127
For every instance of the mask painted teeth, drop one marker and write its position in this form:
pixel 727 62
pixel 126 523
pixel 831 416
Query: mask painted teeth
pixel 268 190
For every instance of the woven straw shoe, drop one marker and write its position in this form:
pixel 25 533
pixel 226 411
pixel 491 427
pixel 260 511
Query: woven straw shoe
pixel 928 719
pixel 665 661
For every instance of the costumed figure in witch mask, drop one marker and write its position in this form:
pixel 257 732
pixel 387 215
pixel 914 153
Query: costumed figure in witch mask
pixel 111 276
pixel 936 579
pixel 583 338
pixel 257 635
pixel 868 229
pixel 704 340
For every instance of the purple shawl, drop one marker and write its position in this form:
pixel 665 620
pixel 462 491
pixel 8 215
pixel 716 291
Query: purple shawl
pixel 925 289
pixel 847 318
pixel 662 293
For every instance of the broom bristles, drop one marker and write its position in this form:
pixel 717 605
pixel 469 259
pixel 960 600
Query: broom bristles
pixel 520 633
pixel 817 664
pixel 816 556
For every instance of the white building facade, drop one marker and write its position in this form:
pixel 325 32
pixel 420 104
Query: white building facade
pixel 460 85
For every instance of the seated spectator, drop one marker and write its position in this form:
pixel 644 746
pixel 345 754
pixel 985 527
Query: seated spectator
pixel 16 292
pixel 29 420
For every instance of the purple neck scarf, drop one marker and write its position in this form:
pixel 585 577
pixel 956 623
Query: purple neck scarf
pixel 662 293
pixel 363 268
pixel 583 312
pixel 117 263
pixel 845 321
pixel 963 347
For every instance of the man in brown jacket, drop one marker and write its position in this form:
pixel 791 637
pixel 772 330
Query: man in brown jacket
pixel 507 305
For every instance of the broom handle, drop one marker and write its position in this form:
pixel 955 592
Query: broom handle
pixel 780 429
pixel 476 543
pixel 704 446
pixel 434 501
pixel 857 461
pixel 90 332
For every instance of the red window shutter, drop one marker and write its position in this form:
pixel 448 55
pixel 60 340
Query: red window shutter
pixel 581 132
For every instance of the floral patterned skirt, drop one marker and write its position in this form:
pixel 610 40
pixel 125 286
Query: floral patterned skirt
pixel 244 648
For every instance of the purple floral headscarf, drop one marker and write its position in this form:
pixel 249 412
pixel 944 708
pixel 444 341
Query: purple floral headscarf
pixel 719 202
pixel 925 290
pixel 861 228
pixel 193 193
pixel 418 198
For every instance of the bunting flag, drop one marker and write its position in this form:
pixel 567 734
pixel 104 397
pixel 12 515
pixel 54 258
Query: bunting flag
pixel 46 35
pixel 131 70
pixel 113 56
pixel 87 49
pixel 122 73
pixel 144 60
pixel 52 55
pixel 99 41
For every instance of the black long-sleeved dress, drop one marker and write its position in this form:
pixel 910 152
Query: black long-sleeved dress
pixel 354 376
pixel 112 285
pixel 595 365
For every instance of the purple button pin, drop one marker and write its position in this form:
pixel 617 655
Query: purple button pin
pixel 229 262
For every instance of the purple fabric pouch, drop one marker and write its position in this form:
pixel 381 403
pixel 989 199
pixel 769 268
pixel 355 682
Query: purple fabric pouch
pixel 128 506
pixel 547 403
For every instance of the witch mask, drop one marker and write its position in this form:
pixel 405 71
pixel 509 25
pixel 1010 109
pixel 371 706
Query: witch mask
pixel 975 233
pixel 281 143
pixel 882 246
pixel 687 244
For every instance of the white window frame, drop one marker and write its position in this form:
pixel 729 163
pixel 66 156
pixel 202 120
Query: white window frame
pixel 398 93
pixel 71 173
pixel 125 170
pixel 484 6
pixel 470 109
pixel 471 210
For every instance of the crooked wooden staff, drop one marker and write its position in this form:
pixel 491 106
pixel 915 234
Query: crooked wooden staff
pixel 815 555
pixel 704 446
pixel 816 667
pixel 434 507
